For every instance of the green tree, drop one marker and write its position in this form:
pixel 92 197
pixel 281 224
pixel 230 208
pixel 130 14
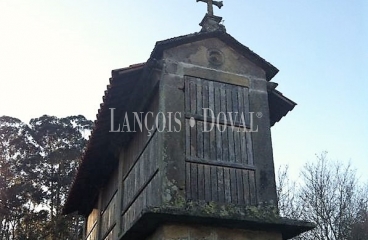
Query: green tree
pixel 62 141
pixel 37 165
pixel 20 187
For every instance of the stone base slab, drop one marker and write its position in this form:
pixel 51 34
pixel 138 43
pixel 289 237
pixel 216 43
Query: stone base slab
pixel 193 232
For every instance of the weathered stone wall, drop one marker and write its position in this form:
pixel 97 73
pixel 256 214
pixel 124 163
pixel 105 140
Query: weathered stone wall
pixel 208 74
pixel 186 232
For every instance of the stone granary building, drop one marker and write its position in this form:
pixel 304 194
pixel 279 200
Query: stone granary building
pixel 182 149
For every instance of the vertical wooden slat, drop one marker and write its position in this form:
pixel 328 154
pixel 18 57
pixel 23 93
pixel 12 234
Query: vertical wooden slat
pixel 193 97
pixel 139 206
pixel 187 94
pixel 128 191
pixel 139 143
pixel 193 141
pixel 154 152
pixel 131 216
pixel 235 100
pixel 133 184
pixel 237 145
pixel 243 147
pixel 156 189
pixel 125 194
pixel 225 144
pixel 155 149
pixel 225 147
pixel 217 98
pixel 233 186
pixel 239 186
pixel 187 138
pixel 127 220
pixel 134 213
pixel 230 135
pixel 188 177
pixel 151 168
pixel 227 186
pixel 142 175
pixel 149 194
pixel 134 150
pixel 240 100
pixel 201 187
pixel 149 165
pixel 206 135
pixel 144 197
pixel 229 101
pixel 229 116
pixel 123 220
pixel 205 94
pixel 147 173
pixel 211 105
pixel 246 105
pixel 249 148
pixel 151 158
pixel 252 186
pixel 139 179
pixel 206 141
pixel 223 100
pixel 199 96
pixel 143 132
pixel 220 185
pixel 219 144
pixel 211 96
pixel 155 180
pixel 207 183
pixel 214 180
pixel 135 179
pixel 217 109
pixel 152 120
pixel 199 125
pixel 194 181
pixel 246 187
pixel 214 183
pixel 212 143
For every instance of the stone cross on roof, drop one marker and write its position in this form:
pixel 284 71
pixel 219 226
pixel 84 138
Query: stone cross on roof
pixel 210 4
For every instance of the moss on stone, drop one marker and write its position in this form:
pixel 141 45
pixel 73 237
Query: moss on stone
pixel 181 206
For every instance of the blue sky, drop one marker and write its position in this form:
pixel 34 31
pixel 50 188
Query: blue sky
pixel 56 58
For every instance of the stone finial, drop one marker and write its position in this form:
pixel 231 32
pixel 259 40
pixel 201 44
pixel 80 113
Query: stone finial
pixel 211 22
pixel 210 4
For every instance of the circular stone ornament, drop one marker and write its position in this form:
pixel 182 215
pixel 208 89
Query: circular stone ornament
pixel 215 57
